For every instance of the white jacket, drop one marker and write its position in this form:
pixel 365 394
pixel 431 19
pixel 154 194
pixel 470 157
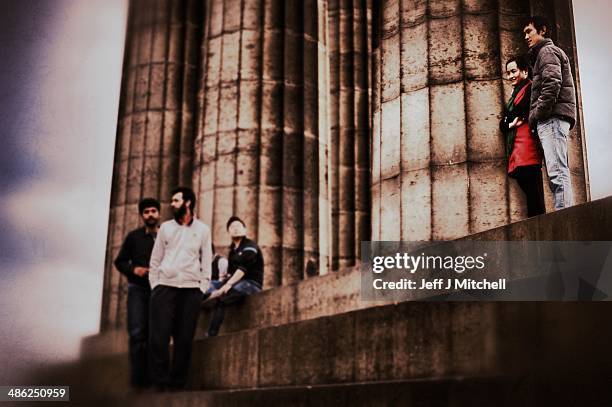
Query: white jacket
pixel 182 256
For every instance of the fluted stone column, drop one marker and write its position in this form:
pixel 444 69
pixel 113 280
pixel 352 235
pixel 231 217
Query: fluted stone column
pixel 153 151
pixel 261 149
pixel 438 163
pixel 350 127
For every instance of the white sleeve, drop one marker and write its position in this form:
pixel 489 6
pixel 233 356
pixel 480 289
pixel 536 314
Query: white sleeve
pixel 157 255
pixel 206 260
pixel 222 266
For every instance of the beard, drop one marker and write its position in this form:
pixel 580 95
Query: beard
pixel 180 212
pixel 151 222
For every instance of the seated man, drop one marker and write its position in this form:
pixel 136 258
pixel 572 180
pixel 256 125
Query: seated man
pixel 244 274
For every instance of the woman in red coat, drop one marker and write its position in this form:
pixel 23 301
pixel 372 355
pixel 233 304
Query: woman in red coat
pixel 522 148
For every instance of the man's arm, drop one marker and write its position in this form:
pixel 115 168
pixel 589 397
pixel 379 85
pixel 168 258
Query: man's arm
pixel 123 262
pixel 237 276
pixel 157 255
pixel 247 261
pixel 205 260
pixel 551 84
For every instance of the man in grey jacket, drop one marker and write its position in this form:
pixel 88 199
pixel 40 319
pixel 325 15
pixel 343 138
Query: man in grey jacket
pixel 179 274
pixel 553 106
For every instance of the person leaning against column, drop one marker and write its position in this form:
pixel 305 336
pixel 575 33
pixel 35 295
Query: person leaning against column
pixel 522 148
pixel 179 275
pixel 553 106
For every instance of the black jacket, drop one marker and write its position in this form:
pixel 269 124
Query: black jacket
pixel 248 258
pixel 135 251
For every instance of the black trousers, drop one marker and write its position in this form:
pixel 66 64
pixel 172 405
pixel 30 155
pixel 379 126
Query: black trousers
pixel 138 330
pixel 173 312
pixel 529 179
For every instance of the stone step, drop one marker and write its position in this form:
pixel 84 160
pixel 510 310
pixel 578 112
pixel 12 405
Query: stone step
pixel 340 292
pixel 405 341
pixel 523 391
pixel 530 390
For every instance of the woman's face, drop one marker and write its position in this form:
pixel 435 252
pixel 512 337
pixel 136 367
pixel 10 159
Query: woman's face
pixel 514 74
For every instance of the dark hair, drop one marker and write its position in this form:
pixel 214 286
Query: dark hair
pixel 233 219
pixel 148 203
pixel 521 63
pixel 188 195
pixel 539 23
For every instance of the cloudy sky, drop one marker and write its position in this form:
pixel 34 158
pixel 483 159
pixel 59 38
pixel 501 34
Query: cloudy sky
pixel 59 90
pixel 60 77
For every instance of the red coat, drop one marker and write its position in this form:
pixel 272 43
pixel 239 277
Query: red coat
pixel 526 149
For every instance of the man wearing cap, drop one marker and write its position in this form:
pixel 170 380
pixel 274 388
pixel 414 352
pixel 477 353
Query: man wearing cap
pixel 245 273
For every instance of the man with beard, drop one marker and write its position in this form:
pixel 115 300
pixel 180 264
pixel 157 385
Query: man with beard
pixel 133 262
pixel 179 275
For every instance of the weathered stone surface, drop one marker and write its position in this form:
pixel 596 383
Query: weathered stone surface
pixel 456 52
pixel 340 292
pixel 396 342
pixel 322 123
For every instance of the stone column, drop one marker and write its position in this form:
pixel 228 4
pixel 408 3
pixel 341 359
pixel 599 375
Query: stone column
pixel 350 124
pixel 155 126
pixel 259 149
pixel 270 181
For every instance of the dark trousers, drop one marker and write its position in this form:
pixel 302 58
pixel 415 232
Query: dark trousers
pixel 237 293
pixel 138 331
pixel 529 179
pixel 173 313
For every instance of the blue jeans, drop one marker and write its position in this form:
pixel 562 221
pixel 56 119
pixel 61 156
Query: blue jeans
pixel 553 134
pixel 138 331
pixel 237 293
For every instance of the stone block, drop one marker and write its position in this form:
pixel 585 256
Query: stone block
pixel 232 14
pixel 228 106
pixel 390 225
pixel 450 214
pixel 415 130
pixel 445 50
pixel 481 46
pixel 390 139
pixel 487 191
pixel 414 57
pixel 444 8
pixel 391 68
pixel 416 205
pixel 448 127
pixel 483 112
